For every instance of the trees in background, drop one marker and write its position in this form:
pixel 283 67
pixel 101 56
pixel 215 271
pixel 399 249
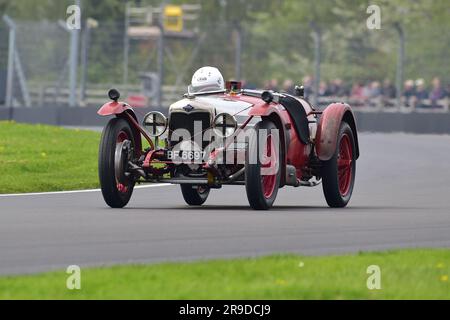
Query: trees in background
pixel 277 35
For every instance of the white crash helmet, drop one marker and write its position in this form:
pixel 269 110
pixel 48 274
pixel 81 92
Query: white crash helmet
pixel 207 79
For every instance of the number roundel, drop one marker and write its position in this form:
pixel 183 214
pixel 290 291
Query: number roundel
pixel 155 123
pixel 224 125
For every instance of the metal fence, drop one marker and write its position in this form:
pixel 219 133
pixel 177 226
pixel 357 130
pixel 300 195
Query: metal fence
pixel 348 63
pixel 3 62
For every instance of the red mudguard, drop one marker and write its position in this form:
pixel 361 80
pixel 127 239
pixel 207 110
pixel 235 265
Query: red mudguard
pixel 114 108
pixel 328 129
pixel 272 111
pixel 121 109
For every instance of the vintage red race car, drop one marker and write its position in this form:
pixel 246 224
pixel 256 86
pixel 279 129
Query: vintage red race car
pixel 263 140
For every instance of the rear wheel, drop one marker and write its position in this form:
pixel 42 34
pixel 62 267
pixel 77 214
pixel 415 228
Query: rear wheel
pixel 262 172
pixel 194 195
pixel 338 173
pixel 116 148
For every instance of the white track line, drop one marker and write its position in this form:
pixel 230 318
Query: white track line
pixel 77 191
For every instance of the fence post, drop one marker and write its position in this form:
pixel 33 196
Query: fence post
pixel 317 36
pixel 126 50
pixel 74 37
pixel 22 80
pixel 238 54
pixel 14 65
pixel 161 46
pixel 400 64
pixel 10 71
pixel 86 41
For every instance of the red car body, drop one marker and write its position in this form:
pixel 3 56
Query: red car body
pixel 313 146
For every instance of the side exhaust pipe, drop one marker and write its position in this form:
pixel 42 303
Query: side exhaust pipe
pixel 292 180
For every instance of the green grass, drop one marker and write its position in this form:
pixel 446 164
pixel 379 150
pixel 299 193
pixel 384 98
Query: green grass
pixel 405 274
pixel 36 158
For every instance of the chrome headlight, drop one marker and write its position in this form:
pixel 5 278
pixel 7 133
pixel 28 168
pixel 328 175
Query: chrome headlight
pixel 224 125
pixel 155 123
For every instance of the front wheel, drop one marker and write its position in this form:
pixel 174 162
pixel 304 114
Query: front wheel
pixel 194 195
pixel 116 149
pixel 262 166
pixel 338 175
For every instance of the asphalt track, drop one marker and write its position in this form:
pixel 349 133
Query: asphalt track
pixel 401 199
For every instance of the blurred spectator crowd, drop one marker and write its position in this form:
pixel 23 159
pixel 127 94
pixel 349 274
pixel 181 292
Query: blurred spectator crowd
pixel 416 93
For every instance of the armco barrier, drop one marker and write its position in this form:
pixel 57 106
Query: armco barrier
pixel 64 116
pixel 414 122
pixel 424 123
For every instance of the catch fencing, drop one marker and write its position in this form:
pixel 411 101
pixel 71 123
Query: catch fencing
pixel 366 68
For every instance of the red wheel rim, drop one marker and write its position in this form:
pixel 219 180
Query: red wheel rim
pixel 202 189
pixel 121 137
pixel 269 167
pixel 345 161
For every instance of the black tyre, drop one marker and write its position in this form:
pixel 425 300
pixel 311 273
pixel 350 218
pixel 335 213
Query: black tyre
pixel 116 145
pixel 194 195
pixel 338 173
pixel 262 166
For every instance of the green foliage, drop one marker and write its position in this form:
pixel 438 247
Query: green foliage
pixel 405 274
pixel 34 9
pixel 277 38
pixel 349 49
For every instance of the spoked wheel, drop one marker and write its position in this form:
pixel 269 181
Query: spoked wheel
pixel 116 150
pixel 194 195
pixel 262 174
pixel 339 172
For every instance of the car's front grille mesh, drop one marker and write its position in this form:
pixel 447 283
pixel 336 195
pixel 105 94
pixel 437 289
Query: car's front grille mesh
pixel 181 120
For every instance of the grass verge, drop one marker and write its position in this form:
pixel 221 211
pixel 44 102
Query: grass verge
pixel 37 158
pixel 405 274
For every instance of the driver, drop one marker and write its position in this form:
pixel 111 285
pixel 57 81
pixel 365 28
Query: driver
pixel 205 80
